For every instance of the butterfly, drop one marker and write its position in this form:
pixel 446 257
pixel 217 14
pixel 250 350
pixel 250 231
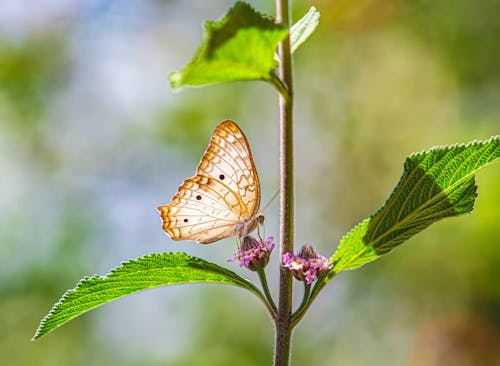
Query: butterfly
pixel 222 200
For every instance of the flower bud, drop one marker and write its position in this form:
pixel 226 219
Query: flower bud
pixel 307 252
pixel 249 242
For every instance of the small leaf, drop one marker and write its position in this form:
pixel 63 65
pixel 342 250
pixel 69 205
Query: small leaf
pixel 240 46
pixel 151 271
pixel 301 30
pixel 435 184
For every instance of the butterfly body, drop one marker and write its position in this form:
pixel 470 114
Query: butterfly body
pixel 223 198
pixel 245 227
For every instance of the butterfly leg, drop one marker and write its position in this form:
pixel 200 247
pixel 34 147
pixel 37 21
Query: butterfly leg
pixel 263 229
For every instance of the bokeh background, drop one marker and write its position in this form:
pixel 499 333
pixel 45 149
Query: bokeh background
pixel 92 139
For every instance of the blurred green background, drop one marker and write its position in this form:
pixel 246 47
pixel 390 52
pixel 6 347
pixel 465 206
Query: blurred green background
pixel 92 139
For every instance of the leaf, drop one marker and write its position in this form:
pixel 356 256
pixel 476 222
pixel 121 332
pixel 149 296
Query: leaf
pixel 435 184
pixel 151 271
pixel 301 30
pixel 240 46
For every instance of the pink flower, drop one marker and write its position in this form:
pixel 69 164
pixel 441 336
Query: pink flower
pixel 254 254
pixel 307 265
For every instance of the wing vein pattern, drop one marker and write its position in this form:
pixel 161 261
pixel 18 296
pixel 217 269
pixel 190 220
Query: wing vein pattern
pixel 223 198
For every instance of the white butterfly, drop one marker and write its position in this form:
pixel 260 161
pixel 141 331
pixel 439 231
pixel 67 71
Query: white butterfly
pixel 223 198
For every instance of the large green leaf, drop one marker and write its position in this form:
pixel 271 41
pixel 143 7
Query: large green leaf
pixel 435 184
pixel 151 271
pixel 240 46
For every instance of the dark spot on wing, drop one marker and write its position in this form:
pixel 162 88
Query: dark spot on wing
pixel 198 197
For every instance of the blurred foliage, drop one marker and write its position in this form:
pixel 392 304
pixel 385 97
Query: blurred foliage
pixel 31 71
pixel 244 337
pixel 195 107
pixel 464 32
pixel 90 136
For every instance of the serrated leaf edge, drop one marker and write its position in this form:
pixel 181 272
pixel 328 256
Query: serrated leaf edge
pixel 50 315
pixel 333 272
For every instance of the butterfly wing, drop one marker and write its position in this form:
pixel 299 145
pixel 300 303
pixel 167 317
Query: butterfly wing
pixel 223 198
pixel 203 209
pixel 228 158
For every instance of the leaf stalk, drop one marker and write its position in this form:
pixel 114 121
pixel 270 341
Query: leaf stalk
pixel 263 281
pixel 280 86
pixel 297 315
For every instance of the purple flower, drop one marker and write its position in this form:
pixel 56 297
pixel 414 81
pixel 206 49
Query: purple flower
pixel 254 254
pixel 307 265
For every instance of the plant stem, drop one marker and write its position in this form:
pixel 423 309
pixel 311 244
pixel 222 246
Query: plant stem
pixel 301 311
pixel 303 305
pixel 283 319
pixel 265 287
pixel 270 306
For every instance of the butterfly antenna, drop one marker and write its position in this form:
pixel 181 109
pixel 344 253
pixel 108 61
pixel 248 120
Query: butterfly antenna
pixel 271 200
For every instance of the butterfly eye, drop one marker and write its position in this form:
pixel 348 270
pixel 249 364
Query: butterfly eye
pixel 198 197
pixel 221 177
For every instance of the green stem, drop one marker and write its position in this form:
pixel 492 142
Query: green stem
pixel 301 311
pixel 265 287
pixel 271 307
pixel 283 322
pixel 303 305
pixel 280 86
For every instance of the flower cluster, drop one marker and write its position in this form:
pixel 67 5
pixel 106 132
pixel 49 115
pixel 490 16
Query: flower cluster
pixel 307 265
pixel 254 254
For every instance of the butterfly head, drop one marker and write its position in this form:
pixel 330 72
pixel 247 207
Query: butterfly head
pixel 259 218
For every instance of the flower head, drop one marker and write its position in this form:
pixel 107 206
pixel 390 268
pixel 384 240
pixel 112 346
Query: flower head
pixel 306 265
pixel 254 254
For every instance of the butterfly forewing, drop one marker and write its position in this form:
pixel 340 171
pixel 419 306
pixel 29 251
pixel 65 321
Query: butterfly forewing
pixel 228 158
pixel 223 198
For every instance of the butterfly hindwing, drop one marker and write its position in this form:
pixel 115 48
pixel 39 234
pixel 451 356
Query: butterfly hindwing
pixel 202 210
